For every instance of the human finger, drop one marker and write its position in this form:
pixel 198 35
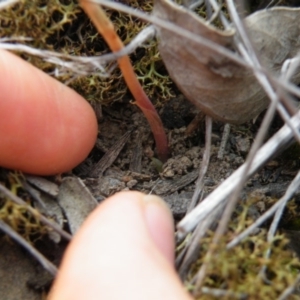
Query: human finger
pixel 45 127
pixel 123 251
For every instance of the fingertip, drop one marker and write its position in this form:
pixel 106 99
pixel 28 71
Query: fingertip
pixel 148 210
pixel 45 127
pixel 117 253
pixel 161 225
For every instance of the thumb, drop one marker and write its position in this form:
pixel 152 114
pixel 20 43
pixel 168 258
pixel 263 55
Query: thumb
pixel 124 250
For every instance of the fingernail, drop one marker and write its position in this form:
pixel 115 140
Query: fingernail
pixel 156 199
pixel 160 224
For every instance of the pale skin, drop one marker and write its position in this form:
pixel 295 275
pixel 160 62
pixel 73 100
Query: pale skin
pixel 125 248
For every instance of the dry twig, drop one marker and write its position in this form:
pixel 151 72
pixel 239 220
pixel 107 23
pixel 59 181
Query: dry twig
pixel 34 212
pixel 51 268
pixel 78 65
pixel 106 29
pixel 204 165
pixel 219 195
pixel 277 206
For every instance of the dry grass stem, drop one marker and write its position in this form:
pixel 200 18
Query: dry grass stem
pixel 276 143
pixel 176 30
pixel 225 137
pixel 275 223
pixel 35 213
pixel 222 293
pixel 51 268
pixel 280 203
pixel 78 65
pixel 289 290
pixel 234 196
pixel 192 247
pixel 204 165
pixel 249 56
pixel 195 4
pixel 68 64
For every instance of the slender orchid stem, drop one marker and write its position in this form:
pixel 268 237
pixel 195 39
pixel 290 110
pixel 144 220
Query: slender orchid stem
pixel 106 29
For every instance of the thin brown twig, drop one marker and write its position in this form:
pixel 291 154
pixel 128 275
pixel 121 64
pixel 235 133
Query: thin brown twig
pixel 225 137
pixel 233 199
pixel 106 29
pixel 51 268
pixel 204 165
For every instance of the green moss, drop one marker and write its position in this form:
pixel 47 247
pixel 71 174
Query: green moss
pixel 61 25
pixel 17 216
pixel 236 271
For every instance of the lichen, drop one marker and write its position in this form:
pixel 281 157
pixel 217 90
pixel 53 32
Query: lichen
pixel 236 271
pixel 61 25
pixel 17 216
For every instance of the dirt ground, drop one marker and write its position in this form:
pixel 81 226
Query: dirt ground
pixel 137 167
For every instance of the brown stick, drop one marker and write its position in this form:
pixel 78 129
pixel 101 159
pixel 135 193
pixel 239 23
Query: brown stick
pixel 106 29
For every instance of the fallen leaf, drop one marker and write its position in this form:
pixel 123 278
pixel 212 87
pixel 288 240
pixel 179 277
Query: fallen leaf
pixel 43 184
pixel 220 87
pixel 76 201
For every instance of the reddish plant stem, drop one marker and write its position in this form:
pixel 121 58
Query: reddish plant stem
pixel 106 29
